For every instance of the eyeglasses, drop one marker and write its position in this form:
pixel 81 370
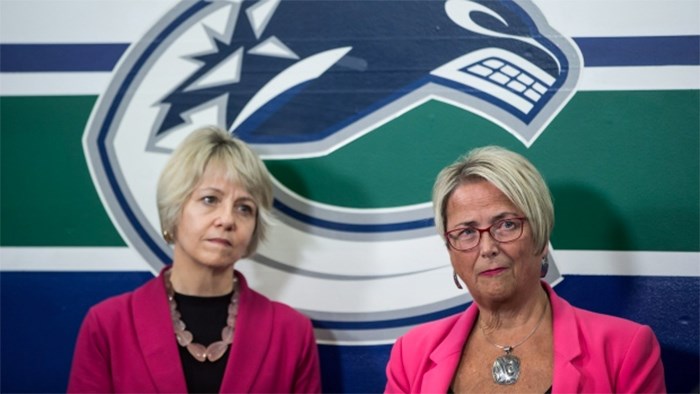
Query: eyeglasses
pixel 504 230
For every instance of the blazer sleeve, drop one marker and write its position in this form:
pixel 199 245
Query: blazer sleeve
pixel 641 370
pixel 396 379
pixel 308 370
pixel 90 371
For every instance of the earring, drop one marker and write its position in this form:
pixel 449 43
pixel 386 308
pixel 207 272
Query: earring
pixel 454 277
pixel 167 237
pixel 544 267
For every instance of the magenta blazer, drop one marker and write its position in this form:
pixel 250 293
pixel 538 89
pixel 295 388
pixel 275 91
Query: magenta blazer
pixel 593 353
pixel 127 344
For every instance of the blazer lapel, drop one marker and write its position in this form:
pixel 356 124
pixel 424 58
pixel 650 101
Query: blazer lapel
pixel 155 335
pixel 567 377
pixel 567 347
pixel 251 340
pixel 447 354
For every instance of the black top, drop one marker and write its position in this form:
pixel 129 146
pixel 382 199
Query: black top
pixel 204 317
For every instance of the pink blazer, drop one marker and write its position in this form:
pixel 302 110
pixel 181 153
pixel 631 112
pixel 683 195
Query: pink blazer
pixel 593 353
pixel 126 344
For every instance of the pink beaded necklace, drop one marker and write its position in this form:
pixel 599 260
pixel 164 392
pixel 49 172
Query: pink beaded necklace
pixel 216 349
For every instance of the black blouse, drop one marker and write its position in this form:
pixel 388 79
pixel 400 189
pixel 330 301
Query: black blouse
pixel 204 317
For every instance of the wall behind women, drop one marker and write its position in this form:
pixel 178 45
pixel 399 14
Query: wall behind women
pixel 94 94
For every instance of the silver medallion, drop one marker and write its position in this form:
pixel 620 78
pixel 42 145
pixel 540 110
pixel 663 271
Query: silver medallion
pixel 506 369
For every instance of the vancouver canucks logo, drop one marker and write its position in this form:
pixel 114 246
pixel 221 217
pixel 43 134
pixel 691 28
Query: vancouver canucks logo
pixel 307 80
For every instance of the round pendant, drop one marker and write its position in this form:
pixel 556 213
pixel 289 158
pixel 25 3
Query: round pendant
pixel 506 369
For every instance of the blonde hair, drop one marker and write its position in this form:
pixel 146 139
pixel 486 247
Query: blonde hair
pixel 512 174
pixel 183 171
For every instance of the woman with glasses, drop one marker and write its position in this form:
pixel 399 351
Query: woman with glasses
pixel 495 214
pixel 198 327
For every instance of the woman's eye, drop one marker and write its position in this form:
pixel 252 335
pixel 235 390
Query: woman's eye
pixel 467 232
pixel 507 225
pixel 209 200
pixel 246 209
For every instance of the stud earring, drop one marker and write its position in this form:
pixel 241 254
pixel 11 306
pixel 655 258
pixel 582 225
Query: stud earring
pixel 167 237
pixel 454 277
pixel 544 267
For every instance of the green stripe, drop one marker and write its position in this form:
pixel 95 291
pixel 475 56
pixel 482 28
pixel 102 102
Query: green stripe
pixel 623 166
pixel 624 169
pixel 48 198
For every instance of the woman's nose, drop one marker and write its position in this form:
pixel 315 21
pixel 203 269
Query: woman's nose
pixel 226 219
pixel 488 245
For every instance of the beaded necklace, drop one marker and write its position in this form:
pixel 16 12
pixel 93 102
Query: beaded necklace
pixel 216 349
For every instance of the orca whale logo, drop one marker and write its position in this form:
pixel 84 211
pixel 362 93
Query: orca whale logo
pixel 303 79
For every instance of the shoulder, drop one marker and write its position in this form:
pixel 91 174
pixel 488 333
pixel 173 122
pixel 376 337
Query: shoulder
pixel 607 348
pixel 438 338
pixel 603 322
pixel 597 330
pixel 608 330
pixel 594 324
pixel 118 307
pixel 429 335
pixel 281 314
pixel 112 306
pixel 417 351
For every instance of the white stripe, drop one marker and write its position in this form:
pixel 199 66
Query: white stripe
pixel 592 79
pixel 570 262
pixel 54 84
pixel 125 21
pixel 640 78
pixel 608 18
pixel 79 21
pixel 589 262
pixel 71 259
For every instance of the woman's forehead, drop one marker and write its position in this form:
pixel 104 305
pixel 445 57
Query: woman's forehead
pixel 478 201
pixel 218 169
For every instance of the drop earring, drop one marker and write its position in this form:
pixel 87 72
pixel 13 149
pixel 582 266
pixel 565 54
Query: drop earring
pixel 544 267
pixel 454 277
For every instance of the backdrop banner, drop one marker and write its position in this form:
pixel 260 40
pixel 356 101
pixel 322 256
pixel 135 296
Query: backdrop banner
pixel 354 106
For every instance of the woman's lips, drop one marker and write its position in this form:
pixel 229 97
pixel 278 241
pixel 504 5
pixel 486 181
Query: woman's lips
pixel 220 241
pixel 493 271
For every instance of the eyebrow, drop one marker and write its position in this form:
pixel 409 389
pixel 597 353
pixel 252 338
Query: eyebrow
pixel 210 189
pixel 500 216
pixel 207 190
pixel 247 198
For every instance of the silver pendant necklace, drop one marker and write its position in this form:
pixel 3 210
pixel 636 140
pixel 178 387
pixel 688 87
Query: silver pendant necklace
pixel 506 368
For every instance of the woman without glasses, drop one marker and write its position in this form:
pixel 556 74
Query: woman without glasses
pixel 198 327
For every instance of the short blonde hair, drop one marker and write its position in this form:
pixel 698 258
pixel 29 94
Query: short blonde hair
pixel 512 174
pixel 183 171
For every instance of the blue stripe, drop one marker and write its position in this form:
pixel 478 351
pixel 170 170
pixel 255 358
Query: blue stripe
pixel 640 51
pixel 60 57
pixel 597 52
pixel 32 301
pixel 353 228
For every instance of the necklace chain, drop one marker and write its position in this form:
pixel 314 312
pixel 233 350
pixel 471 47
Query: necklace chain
pixel 506 368
pixel 509 349
pixel 184 337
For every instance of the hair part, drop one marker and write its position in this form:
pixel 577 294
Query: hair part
pixel 512 174
pixel 213 146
